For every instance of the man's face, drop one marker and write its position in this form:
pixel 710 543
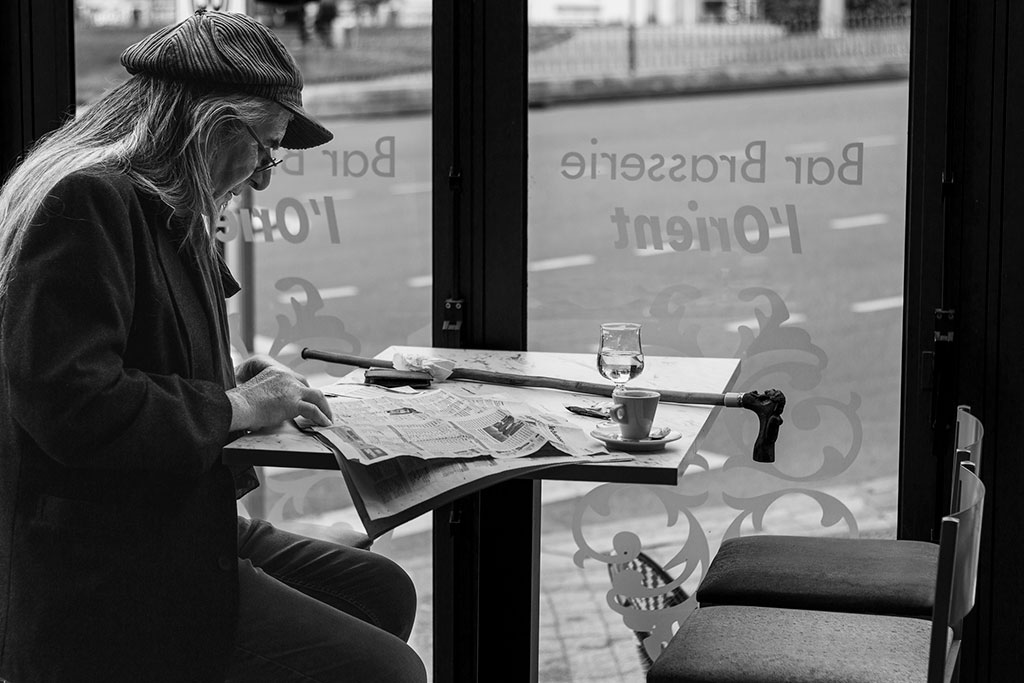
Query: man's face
pixel 234 164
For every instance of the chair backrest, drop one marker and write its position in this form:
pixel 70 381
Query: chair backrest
pixel 955 584
pixel 969 433
pixel 656 583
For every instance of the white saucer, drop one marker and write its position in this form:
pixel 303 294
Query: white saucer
pixel 613 439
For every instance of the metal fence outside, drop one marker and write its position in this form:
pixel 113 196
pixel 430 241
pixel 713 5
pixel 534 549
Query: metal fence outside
pixel 648 50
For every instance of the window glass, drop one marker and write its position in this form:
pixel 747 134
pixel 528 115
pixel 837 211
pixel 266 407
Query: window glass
pixel 335 254
pixel 730 175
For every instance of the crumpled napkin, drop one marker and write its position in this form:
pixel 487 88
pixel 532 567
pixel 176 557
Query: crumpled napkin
pixel 439 368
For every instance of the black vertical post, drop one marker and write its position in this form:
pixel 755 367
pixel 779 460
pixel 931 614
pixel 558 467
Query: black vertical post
pixel 921 476
pixel 509 623
pixel 486 547
pixel 963 253
pixel 37 71
pixel 986 206
pixel 631 38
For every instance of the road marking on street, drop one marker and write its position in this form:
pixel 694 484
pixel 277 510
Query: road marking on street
pixel 875 305
pixel 752 236
pixel 865 221
pixel 534 266
pixel 820 147
pixel 806 148
pixel 794 318
pixel 340 195
pixel 773 233
pixel 410 188
pixel 880 141
pixel 561 262
pixel 325 293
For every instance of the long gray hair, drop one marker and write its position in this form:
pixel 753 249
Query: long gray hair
pixel 158 133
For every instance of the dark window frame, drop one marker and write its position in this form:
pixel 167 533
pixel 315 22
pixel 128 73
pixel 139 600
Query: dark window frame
pixel 479 301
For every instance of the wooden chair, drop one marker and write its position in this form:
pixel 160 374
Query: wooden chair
pixel 871 576
pixel 744 644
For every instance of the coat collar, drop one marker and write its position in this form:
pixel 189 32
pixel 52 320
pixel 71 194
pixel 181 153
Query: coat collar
pixel 182 272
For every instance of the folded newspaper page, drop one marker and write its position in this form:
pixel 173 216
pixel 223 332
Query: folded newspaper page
pixel 403 454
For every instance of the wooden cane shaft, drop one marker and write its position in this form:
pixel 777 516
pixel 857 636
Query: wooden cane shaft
pixel 514 380
pixel 346 359
pixel 575 386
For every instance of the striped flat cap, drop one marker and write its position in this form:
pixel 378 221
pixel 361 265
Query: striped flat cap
pixel 233 52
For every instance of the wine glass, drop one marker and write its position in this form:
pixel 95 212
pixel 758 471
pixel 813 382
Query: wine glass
pixel 620 357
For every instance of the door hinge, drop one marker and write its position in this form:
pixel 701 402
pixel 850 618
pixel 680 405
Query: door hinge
pixel 453 315
pixel 454 179
pixel 945 321
pixel 947 182
pixel 452 322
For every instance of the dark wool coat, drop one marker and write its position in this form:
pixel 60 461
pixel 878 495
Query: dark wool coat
pixel 117 520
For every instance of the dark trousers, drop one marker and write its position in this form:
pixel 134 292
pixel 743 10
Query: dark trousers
pixel 311 610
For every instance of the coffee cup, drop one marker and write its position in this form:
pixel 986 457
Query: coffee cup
pixel 633 410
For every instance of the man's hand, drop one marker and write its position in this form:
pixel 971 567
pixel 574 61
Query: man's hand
pixel 254 365
pixel 273 395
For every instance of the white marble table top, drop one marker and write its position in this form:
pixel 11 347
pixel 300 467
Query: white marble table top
pixel 287 447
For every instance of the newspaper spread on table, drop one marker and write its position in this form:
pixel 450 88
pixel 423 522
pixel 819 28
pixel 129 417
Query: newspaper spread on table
pixel 372 425
pixel 408 453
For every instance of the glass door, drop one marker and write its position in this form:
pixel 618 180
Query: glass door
pixel 731 176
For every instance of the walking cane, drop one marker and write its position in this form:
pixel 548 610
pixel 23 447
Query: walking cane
pixel 766 405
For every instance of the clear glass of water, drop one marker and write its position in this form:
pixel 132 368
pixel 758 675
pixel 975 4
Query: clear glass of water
pixel 620 357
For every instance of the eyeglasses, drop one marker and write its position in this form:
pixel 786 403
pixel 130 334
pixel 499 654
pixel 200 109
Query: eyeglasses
pixel 264 152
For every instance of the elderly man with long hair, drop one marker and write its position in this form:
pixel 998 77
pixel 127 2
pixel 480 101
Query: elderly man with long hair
pixel 122 557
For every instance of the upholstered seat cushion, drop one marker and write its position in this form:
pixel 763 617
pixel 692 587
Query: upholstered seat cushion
pixel 871 576
pixel 737 644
